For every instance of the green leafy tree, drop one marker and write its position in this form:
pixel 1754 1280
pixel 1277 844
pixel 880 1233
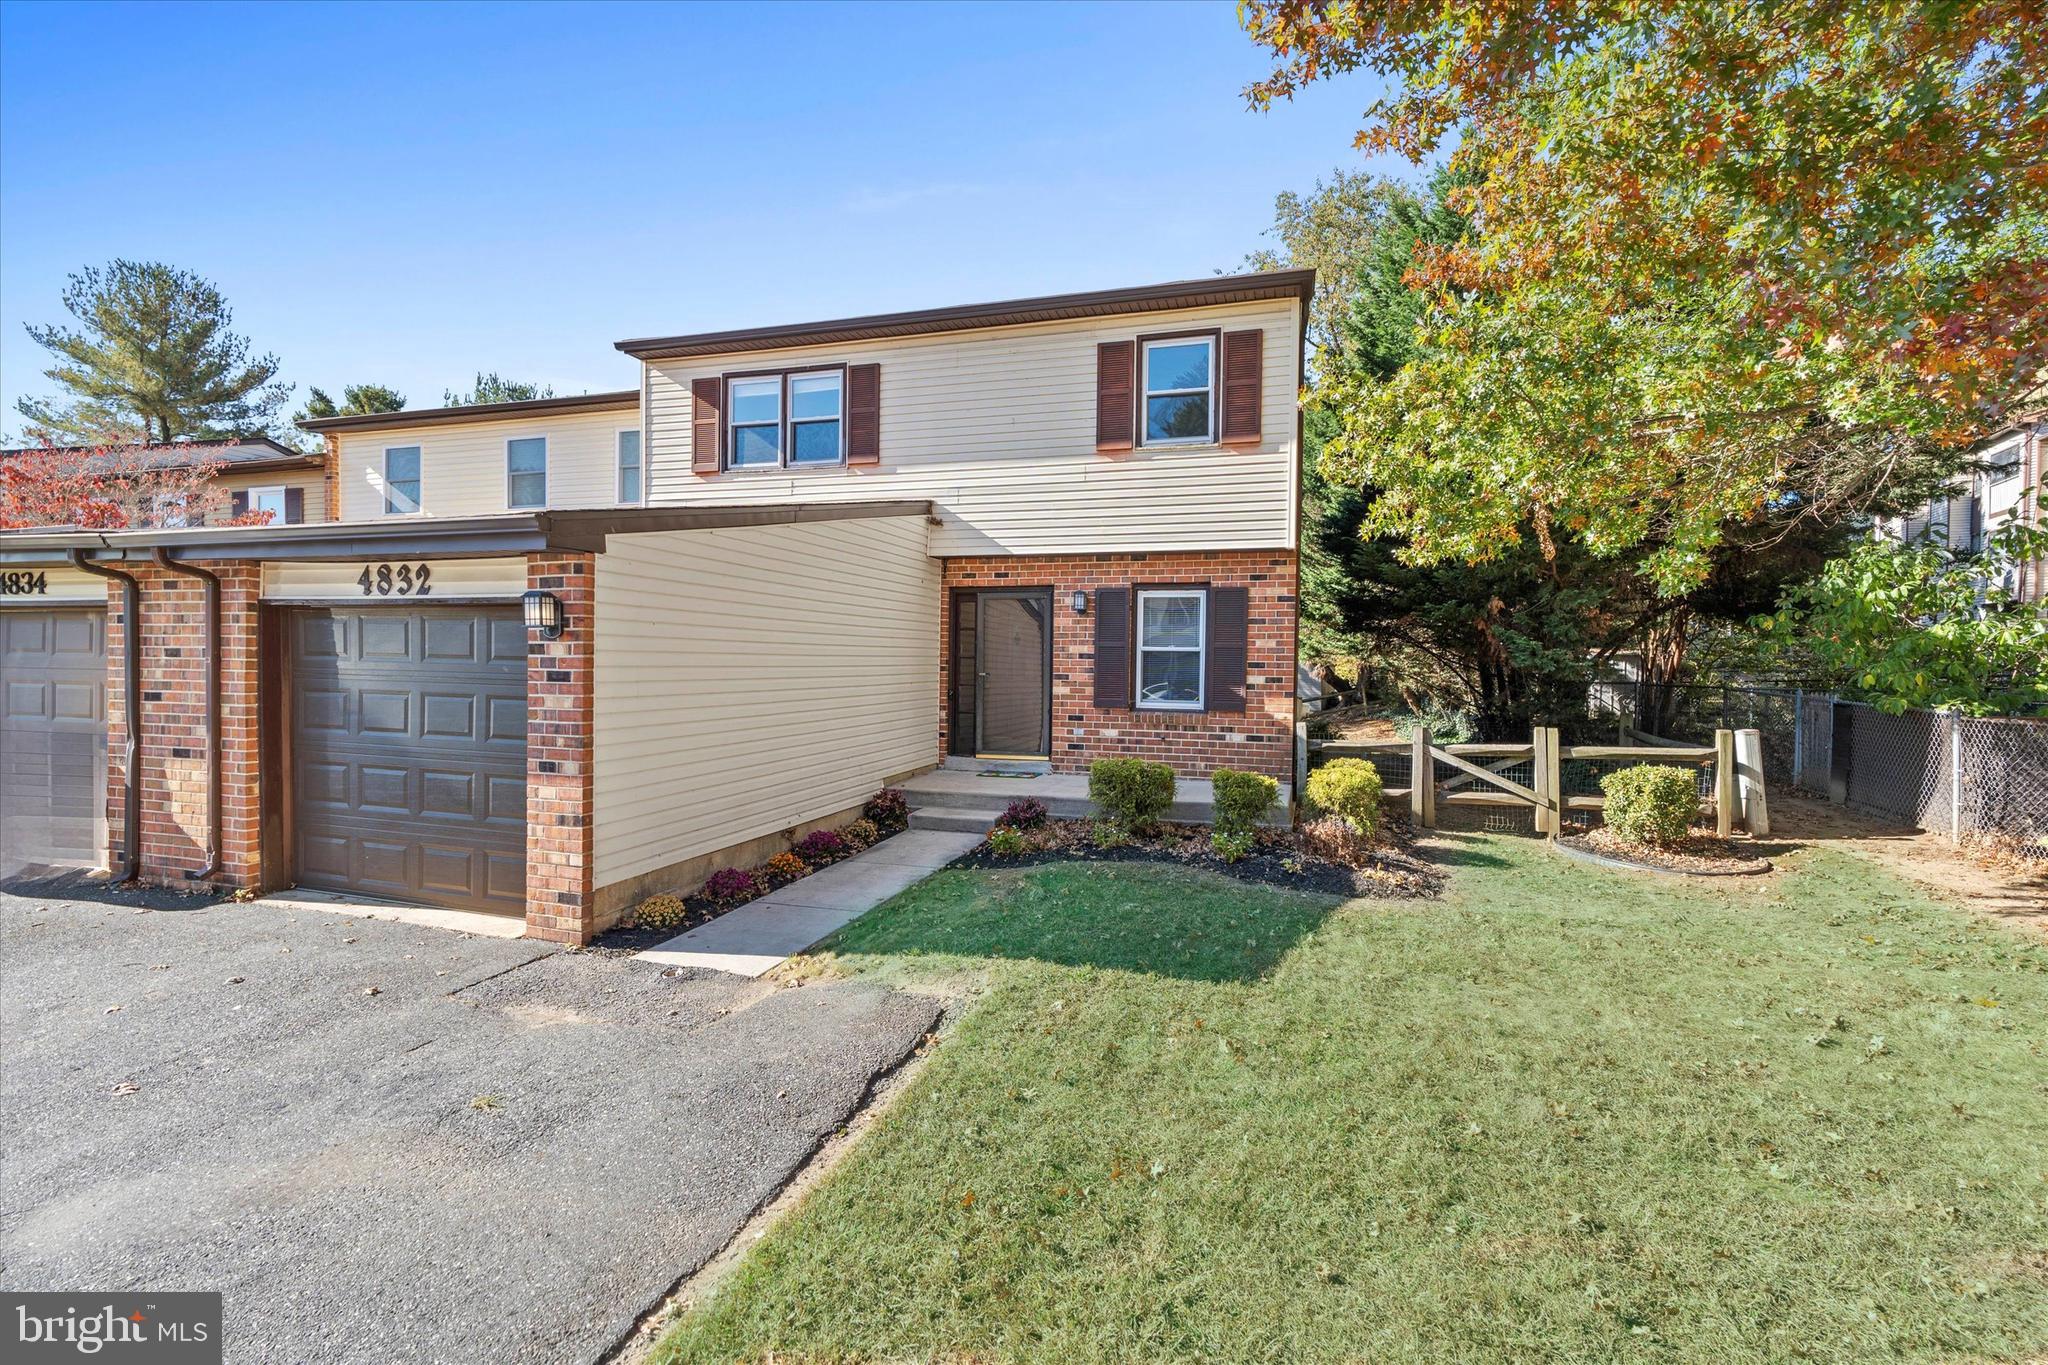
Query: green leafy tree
pixel 494 388
pixel 1710 233
pixel 357 400
pixel 1906 625
pixel 152 358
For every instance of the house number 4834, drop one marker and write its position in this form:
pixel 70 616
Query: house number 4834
pixel 28 583
pixel 400 580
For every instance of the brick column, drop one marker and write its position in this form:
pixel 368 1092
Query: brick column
pixel 173 771
pixel 560 904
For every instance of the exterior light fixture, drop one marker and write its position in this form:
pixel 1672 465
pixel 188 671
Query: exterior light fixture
pixel 1080 602
pixel 543 613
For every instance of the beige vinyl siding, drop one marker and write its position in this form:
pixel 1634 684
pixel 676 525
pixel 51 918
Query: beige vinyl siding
pixel 751 679
pixel 312 481
pixel 997 428
pixel 462 464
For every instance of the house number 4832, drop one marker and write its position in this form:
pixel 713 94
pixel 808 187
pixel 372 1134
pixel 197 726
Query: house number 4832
pixel 401 580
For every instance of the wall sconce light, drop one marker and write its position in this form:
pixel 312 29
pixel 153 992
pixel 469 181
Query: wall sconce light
pixel 543 612
pixel 1080 602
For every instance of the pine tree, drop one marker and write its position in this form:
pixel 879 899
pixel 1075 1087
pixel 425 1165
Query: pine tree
pixel 152 359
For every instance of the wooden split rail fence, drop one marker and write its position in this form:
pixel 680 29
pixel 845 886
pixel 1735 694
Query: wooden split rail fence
pixel 1480 775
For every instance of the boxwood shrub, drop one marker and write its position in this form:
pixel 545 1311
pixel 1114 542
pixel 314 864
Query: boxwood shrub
pixel 1131 792
pixel 1349 789
pixel 1651 803
pixel 1242 799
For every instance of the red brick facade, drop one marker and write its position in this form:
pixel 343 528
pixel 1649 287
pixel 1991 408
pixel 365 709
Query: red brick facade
pixel 173 757
pixel 1260 739
pixel 560 904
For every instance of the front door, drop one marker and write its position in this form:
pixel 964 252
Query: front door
pixel 1012 674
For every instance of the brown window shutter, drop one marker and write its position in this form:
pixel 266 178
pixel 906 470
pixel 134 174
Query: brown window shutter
pixel 863 414
pixel 238 504
pixel 1229 623
pixel 1243 358
pixel 294 506
pixel 1116 404
pixel 707 402
pixel 1113 647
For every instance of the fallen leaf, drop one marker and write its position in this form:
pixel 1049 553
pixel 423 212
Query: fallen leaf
pixel 373 990
pixel 126 1088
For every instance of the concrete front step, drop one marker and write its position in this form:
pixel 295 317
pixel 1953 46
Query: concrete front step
pixel 956 819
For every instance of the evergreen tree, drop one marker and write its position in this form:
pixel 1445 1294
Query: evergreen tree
pixel 357 400
pixel 495 388
pixel 151 359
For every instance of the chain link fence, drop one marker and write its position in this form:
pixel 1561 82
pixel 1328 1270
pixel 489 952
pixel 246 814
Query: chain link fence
pixel 1690 713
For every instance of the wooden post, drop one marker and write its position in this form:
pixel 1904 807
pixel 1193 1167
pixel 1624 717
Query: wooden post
pixel 1539 780
pixel 1725 796
pixel 1552 759
pixel 1749 777
pixel 1422 782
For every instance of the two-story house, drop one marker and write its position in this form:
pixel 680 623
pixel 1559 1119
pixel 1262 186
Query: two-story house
pixel 552 656
pixel 2005 486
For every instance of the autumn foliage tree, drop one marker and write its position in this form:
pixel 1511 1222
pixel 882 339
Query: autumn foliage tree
pixel 112 488
pixel 1706 235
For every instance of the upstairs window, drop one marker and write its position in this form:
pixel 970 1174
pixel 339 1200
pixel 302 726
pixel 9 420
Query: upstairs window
pixel 526 472
pixel 786 419
pixel 2006 464
pixel 401 481
pixel 269 500
pixel 1179 381
pixel 1171 631
pixel 630 487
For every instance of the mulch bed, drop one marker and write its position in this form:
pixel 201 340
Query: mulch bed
pixel 625 939
pixel 1700 854
pixel 1389 873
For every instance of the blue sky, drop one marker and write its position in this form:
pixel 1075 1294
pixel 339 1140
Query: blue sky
pixel 410 194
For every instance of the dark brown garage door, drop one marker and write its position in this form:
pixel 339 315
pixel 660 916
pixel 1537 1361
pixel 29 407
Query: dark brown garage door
pixel 53 738
pixel 409 754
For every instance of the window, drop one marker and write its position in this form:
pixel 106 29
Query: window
pixel 526 472
pixel 1171 630
pixel 401 481
pixel 2005 464
pixel 169 509
pixel 786 419
pixel 1179 388
pixel 629 466
pixel 269 500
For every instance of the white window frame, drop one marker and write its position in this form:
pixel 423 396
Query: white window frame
pixel 510 505
pixel 1146 393
pixel 619 466
pixel 278 489
pixel 786 422
pixel 1200 649
pixel 420 503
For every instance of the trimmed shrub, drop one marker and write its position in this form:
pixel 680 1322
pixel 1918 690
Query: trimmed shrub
pixel 861 833
pixel 888 808
pixel 1028 813
pixel 1349 789
pixel 1651 803
pixel 1232 846
pixel 662 912
pixel 786 867
pixel 1331 838
pixel 820 846
pixel 1007 842
pixel 1242 799
pixel 731 885
pixel 1131 792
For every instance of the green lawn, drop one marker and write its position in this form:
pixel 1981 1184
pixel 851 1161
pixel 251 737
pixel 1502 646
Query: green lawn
pixel 1565 1114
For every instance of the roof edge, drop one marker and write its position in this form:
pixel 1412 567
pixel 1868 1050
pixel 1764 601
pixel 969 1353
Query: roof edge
pixel 475 412
pixel 1215 290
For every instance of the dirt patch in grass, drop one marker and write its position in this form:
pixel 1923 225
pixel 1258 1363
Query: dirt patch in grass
pixel 1700 854
pixel 1389 873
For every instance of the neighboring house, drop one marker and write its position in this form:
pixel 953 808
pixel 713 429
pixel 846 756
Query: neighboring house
pixel 2012 462
pixel 256 473
pixel 555 655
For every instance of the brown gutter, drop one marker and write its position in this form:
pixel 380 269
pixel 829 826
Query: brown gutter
pixel 164 562
pixel 131 670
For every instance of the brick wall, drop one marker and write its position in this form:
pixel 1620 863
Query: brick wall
pixel 1261 739
pixel 173 755
pixel 560 900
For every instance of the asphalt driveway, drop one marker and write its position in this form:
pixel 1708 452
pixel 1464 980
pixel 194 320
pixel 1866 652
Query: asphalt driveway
pixel 387 1143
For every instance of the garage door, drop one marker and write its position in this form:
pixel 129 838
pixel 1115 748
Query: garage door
pixel 409 754
pixel 53 738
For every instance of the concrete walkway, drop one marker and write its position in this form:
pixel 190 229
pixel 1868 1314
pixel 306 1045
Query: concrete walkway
pixel 763 934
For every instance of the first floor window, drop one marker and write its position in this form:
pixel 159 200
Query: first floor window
pixel 1171 631
pixel 629 467
pixel 401 480
pixel 1179 375
pixel 526 472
